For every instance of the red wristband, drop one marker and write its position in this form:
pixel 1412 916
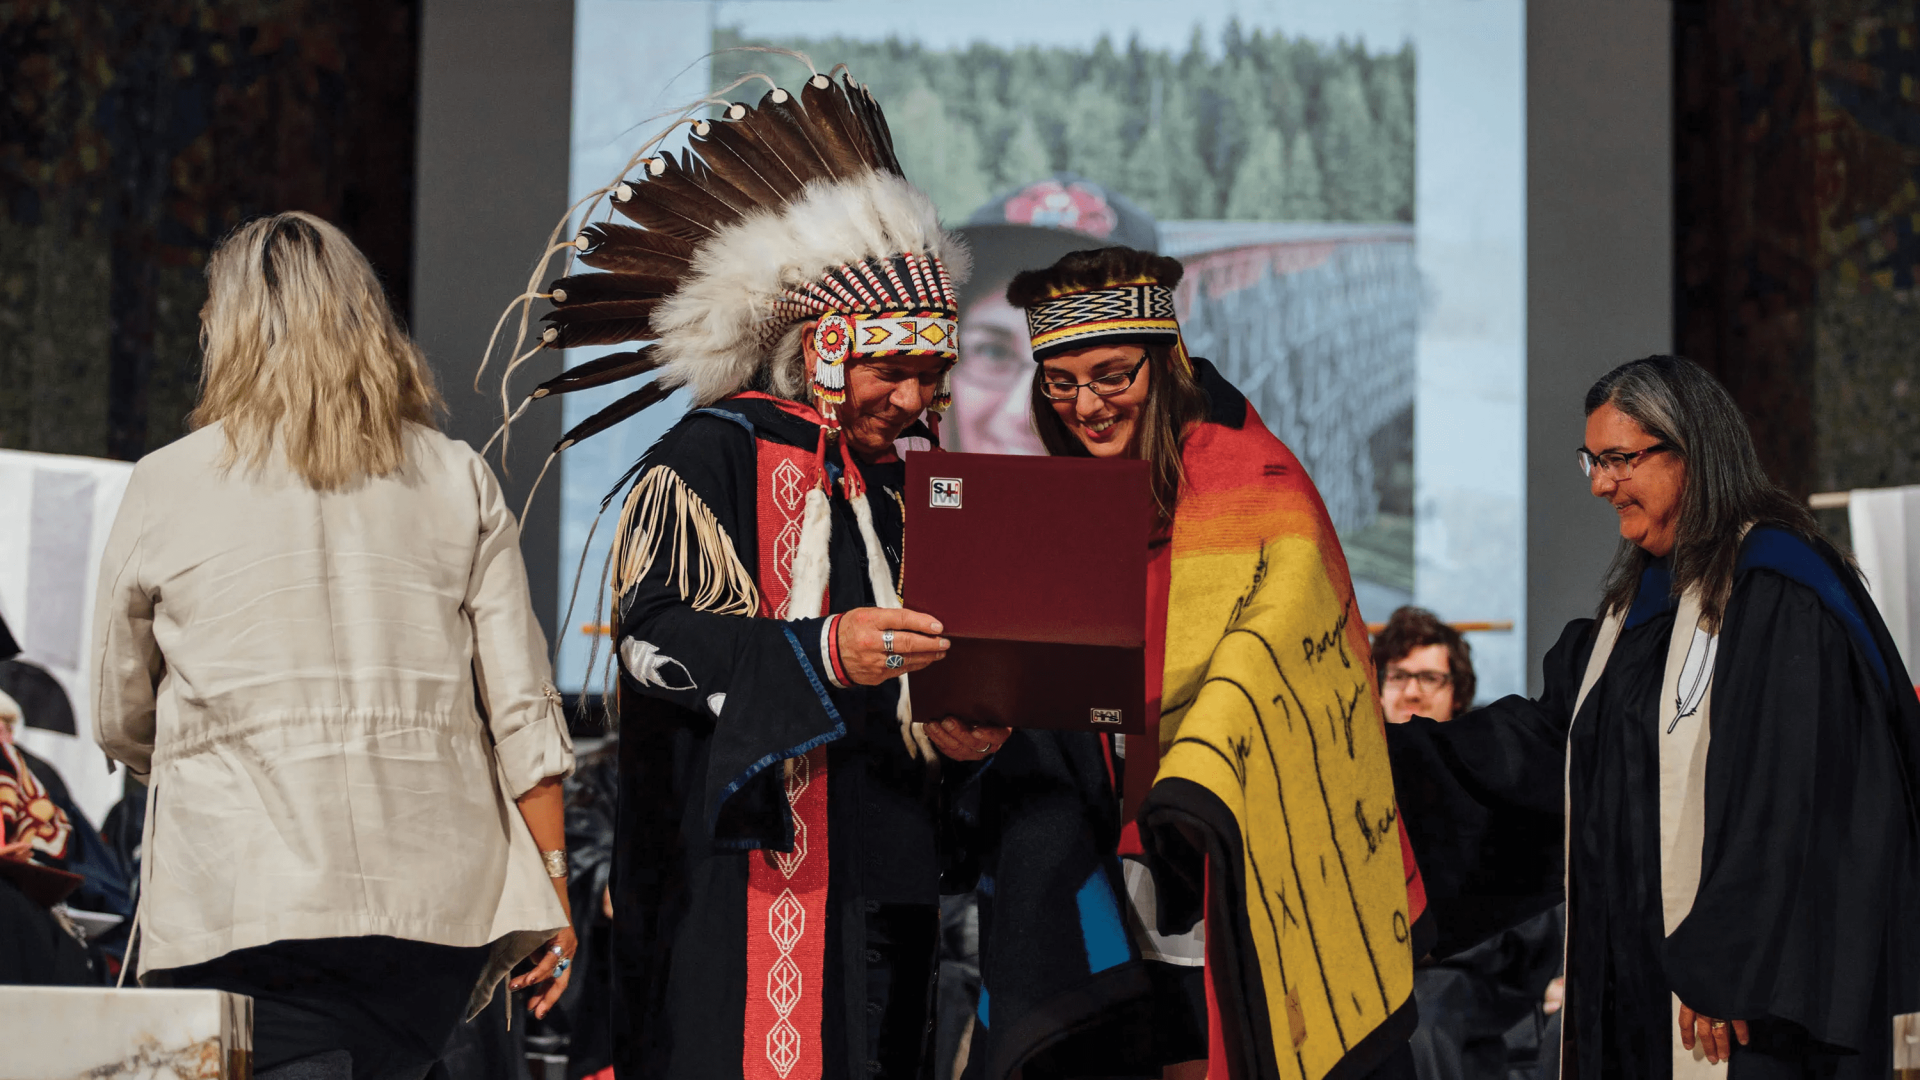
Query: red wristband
pixel 833 652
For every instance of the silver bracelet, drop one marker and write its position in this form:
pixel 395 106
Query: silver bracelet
pixel 556 863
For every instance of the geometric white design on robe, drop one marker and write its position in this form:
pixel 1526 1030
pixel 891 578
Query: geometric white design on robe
pixel 649 666
pixel 783 546
pixel 799 773
pixel 783 986
pixel 797 779
pixel 716 702
pixel 789 486
pixel 783 1047
pixel 788 862
pixel 789 497
pixel 787 924
pixel 787 921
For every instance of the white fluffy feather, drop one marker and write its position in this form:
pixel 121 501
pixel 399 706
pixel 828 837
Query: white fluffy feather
pixel 714 331
pixel 809 570
pixel 878 576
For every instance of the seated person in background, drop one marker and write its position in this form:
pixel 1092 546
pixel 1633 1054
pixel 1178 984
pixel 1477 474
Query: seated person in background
pixel 1480 1007
pixel 35 947
pixel 41 703
pixel 1425 667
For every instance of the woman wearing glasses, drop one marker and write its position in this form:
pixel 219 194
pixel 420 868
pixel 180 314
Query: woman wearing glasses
pixel 1251 627
pixel 1744 898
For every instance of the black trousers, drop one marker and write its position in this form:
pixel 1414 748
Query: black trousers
pixel 34 951
pixel 388 1002
pixel 901 966
pixel 902 969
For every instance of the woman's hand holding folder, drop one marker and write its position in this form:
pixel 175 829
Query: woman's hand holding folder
pixel 965 741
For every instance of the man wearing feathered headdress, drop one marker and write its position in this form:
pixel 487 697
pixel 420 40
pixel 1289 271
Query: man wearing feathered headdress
pixel 776 879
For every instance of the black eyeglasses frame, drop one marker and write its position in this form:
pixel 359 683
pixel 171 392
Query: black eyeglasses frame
pixel 1590 460
pixel 1046 384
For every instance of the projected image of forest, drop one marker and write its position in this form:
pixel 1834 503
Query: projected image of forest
pixel 1279 169
pixel 1264 128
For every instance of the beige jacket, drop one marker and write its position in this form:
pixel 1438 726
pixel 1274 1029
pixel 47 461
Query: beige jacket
pixel 338 696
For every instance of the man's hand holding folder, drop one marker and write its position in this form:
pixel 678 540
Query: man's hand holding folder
pixel 869 635
pixel 877 644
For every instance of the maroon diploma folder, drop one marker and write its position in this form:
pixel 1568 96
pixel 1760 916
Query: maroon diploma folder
pixel 1037 569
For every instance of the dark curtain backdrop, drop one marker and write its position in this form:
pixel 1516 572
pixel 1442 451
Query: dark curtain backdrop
pixel 133 136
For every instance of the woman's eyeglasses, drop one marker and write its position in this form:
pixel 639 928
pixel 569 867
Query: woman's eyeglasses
pixel 1058 389
pixel 1430 681
pixel 1613 464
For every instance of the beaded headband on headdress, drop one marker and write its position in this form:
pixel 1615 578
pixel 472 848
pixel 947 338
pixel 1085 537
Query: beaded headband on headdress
pixel 903 306
pixel 1132 312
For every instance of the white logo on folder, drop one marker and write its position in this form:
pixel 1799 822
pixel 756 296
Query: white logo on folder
pixel 946 493
pixel 1105 716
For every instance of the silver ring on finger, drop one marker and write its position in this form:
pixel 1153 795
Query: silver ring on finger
pixel 557 951
pixel 886 640
pixel 894 660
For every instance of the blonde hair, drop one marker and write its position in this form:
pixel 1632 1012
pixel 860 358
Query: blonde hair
pixel 303 352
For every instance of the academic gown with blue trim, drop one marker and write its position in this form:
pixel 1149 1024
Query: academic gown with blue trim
pixel 700 791
pixel 1810 872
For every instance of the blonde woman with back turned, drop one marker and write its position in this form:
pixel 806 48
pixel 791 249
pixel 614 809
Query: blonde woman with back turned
pixel 313 633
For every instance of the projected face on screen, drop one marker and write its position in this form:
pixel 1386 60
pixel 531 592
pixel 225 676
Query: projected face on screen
pixel 1028 226
pixel 990 413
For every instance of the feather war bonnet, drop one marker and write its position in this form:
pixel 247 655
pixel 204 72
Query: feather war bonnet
pixel 775 215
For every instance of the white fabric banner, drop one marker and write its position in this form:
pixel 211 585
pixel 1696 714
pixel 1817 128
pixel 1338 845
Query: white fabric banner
pixel 1886 540
pixel 55 512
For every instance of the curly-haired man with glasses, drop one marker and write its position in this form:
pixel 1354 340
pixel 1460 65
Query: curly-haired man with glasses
pixel 1425 667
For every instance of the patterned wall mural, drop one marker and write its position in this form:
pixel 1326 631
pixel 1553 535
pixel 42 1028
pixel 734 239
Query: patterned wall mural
pixel 133 137
pixel 1797 209
pixel 1866 377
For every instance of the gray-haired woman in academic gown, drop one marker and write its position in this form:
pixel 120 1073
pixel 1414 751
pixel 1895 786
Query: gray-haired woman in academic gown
pixel 1733 746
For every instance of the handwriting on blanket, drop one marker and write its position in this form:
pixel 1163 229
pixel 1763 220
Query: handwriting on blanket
pixel 1349 706
pixel 1285 908
pixel 1242 749
pixel 1375 831
pixel 1335 639
pixel 1253 588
